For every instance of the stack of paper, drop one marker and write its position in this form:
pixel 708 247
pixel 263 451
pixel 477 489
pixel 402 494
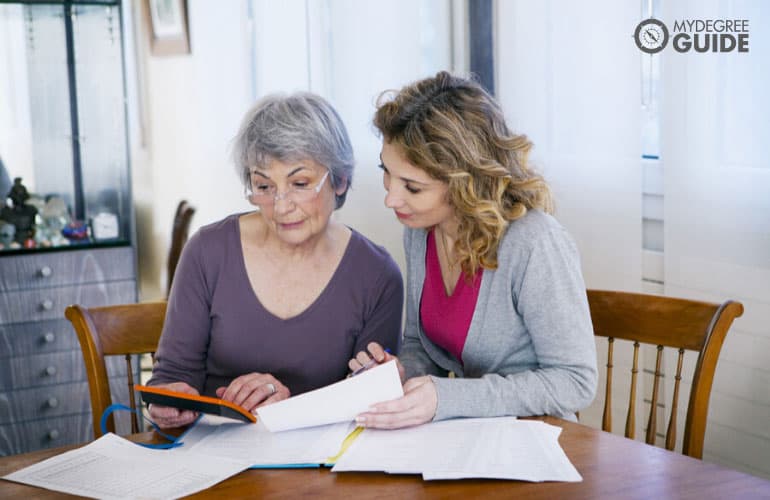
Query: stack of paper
pixel 500 448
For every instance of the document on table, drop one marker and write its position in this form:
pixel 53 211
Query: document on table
pixel 334 403
pixel 113 467
pixel 499 448
pixel 221 437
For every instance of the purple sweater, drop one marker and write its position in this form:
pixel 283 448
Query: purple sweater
pixel 216 329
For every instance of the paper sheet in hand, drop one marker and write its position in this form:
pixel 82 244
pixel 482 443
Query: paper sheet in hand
pixel 337 402
pixel 113 467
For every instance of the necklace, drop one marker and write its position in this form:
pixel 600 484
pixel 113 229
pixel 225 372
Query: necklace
pixel 449 263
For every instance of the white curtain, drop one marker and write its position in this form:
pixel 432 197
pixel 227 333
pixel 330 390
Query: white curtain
pixel 575 91
pixel 716 162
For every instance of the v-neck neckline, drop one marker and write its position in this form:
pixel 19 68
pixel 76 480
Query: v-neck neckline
pixel 325 291
pixel 444 285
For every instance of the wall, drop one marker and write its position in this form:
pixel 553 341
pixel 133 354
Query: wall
pixel 186 110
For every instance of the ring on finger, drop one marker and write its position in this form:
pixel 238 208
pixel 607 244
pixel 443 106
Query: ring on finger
pixel 271 388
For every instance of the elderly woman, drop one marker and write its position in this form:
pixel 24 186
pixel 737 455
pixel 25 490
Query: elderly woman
pixel 494 289
pixel 273 302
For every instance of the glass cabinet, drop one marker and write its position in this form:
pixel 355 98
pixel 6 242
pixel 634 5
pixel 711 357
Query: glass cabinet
pixel 64 129
pixel 66 219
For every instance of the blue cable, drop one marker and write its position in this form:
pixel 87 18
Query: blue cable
pixel 174 441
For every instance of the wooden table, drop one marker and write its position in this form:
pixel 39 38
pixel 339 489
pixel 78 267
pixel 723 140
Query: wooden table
pixel 611 466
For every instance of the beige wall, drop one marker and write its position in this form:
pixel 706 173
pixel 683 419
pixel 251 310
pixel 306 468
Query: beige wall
pixel 186 108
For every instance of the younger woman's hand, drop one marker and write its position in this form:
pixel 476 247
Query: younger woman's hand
pixel 374 353
pixel 167 417
pixel 417 406
pixel 254 390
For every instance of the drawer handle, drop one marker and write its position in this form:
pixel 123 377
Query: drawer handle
pixel 50 371
pixel 47 304
pixel 53 434
pixel 49 337
pixel 45 271
pixel 52 402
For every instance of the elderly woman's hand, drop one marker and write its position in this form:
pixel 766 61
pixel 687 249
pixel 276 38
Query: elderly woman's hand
pixel 254 390
pixel 415 407
pixel 374 353
pixel 167 417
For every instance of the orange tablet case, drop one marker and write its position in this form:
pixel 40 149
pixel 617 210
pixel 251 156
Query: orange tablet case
pixel 204 404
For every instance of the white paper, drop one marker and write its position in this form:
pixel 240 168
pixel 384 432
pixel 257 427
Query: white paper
pixel 113 467
pixel 253 443
pixel 499 448
pixel 339 402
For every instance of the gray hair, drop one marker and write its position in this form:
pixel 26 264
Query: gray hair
pixel 295 127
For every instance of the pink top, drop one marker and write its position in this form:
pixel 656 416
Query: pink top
pixel 446 319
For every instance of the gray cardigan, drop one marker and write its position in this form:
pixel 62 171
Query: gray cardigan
pixel 530 347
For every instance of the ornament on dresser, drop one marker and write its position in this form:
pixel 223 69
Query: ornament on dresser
pixel 76 231
pixel 17 212
pixel 104 226
pixel 54 216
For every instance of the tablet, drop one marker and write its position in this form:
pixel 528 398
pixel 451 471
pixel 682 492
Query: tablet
pixel 204 404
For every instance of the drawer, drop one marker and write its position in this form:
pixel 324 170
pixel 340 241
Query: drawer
pixel 44 402
pixel 71 267
pixel 46 433
pixel 37 305
pixel 54 401
pixel 50 369
pixel 25 339
pixel 55 431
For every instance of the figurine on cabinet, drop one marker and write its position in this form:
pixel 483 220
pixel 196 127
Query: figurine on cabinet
pixel 21 215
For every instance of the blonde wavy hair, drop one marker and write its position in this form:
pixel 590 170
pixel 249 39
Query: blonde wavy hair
pixel 451 128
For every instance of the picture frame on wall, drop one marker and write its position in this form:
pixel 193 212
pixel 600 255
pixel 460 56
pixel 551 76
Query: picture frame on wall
pixel 169 29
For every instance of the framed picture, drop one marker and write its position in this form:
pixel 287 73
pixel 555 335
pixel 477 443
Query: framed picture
pixel 168 27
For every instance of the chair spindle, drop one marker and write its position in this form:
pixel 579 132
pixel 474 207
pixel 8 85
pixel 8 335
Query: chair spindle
pixel 131 399
pixel 671 432
pixel 652 421
pixel 607 416
pixel 631 418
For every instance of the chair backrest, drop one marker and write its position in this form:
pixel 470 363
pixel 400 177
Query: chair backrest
pixel 664 322
pixel 126 330
pixel 179 235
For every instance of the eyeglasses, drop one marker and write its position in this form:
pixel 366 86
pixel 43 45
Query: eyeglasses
pixel 260 193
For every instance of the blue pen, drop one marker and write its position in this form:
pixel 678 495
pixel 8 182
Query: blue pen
pixel 368 365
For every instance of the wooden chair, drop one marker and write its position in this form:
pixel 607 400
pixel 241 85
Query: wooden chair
pixel 664 322
pixel 125 330
pixel 179 235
